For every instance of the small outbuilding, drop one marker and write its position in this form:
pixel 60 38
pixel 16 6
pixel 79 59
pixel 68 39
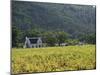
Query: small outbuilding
pixel 34 42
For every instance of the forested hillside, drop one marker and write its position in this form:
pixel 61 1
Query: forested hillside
pixel 75 20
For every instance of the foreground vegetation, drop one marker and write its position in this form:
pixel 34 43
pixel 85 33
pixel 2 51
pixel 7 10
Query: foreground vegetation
pixel 32 60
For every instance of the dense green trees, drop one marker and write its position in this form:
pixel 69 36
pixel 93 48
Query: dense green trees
pixel 15 33
pixel 55 23
pixel 61 37
pixel 51 38
pixel 88 38
pixel 73 19
pixel 72 41
pixel 91 39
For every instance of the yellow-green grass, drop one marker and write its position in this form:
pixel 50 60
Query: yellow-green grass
pixel 49 59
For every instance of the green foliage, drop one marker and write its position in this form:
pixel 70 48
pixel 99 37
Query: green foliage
pixel 61 37
pixel 50 38
pixel 49 59
pixel 32 33
pixel 33 19
pixel 20 45
pixel 73 19
pixel 72 41
pixel 15 33
pixel 89 38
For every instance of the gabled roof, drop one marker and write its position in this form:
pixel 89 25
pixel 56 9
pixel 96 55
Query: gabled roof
pixel 33 41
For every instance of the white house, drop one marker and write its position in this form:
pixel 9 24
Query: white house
pixel 34 42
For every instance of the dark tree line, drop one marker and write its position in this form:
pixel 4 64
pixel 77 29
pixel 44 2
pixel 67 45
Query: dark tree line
pixel 89 38
pixel 15 34
pixel 49 37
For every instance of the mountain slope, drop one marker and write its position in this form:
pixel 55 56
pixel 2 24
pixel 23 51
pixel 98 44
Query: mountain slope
pixel 73 19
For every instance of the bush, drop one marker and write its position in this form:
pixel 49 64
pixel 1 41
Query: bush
pixel 20 45
pixel 72 41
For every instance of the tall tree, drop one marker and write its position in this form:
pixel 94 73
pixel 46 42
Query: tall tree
pixel 61 37
pixel 50 38
pixel 89 38
pixel 15 33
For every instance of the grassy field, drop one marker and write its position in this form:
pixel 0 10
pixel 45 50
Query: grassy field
pixel 32 60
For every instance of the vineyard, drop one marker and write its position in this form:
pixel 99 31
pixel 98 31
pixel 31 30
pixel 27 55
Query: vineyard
pixel 50 59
